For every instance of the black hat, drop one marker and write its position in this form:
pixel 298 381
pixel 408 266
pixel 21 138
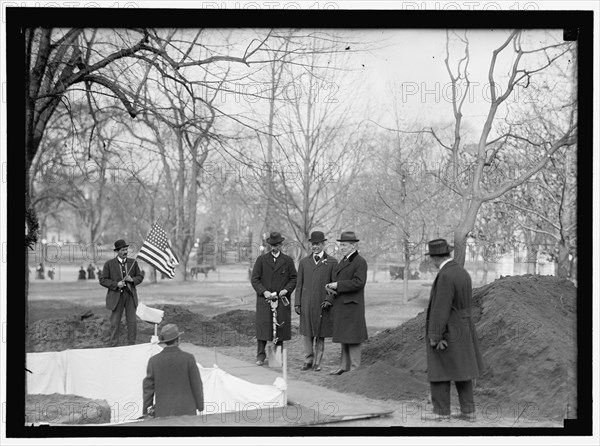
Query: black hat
pixel 275 238
pixel 439 247
pixel 317 237
pixel 120 244
pixel 348 236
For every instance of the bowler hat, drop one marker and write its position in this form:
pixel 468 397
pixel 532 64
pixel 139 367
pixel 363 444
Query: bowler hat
pixel 120 244
pixel 275 238
pixel 168 333
pixel 438 247
pixel 317 237
pixel 348 236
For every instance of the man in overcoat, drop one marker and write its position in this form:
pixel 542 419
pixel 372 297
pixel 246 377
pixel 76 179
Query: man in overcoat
pixel 316 324
pixel 273 278
pixel 348 283
pixel 121 275
pixel 451 341
pixel 172 386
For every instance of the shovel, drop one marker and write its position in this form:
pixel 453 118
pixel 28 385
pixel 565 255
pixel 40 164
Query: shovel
pixel 274 351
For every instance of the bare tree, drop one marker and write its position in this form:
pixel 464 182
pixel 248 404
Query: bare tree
pixel 467 173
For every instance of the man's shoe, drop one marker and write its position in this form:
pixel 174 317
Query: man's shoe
pixel 470 417
pixel 317 368
pixel 260 362
pixel 337 372
pixel 431 416
pixel 306 366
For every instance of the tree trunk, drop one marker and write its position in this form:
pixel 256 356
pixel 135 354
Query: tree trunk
pixel 562 261
pixel 461 232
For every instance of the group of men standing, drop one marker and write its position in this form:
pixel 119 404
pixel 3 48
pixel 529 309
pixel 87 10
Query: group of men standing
pixel 329 299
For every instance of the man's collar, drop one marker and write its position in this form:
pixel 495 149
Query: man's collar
pixel 121 260
pixel 444 262
pixel 275 255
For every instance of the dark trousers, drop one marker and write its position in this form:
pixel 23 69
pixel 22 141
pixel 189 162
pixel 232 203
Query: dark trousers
pixel 440 397
pixel 125 303
pixel 350 356
pixel 260 349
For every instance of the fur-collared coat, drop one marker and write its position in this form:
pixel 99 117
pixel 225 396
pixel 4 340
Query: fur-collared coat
pixel 349 323
pixel 449 318
pixel 310 294
pixel 273 276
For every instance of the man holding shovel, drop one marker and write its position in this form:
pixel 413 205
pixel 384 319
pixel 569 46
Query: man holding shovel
pixel 314 272
pixel 273 278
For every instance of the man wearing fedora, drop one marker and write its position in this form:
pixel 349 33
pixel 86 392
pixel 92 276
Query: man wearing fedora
pixel 172 386
pixel 314 272
pixel 273 278
pixel 121 275
pixel 347 295
pixel 451 341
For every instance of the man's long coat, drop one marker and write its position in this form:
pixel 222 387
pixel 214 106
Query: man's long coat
pixel 273 276
pixel 449 318
pixel 173 382
pixel 349 323
pixel 310 294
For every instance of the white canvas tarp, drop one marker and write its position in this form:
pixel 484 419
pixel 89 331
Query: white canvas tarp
pixel 115 375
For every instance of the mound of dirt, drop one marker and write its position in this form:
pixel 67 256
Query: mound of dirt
pixel 73 332
pixel 526 327
pixel 242 321
pixel 65 409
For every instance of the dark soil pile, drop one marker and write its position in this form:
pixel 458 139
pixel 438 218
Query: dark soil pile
pixel 65 409
pixel 526 327
pixel 74 331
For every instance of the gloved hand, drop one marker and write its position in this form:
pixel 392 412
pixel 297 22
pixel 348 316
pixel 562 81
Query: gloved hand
pixel 267 294
pixel 438 345
pixel 297 309
pixel 326 304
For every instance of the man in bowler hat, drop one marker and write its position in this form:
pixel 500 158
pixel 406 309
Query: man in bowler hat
pixel 121 276
pixel 347 295
pixel 273 278
pixel 451 341
pixel 172 386
pixel 314 272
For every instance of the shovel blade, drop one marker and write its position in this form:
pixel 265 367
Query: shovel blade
pixel 275 355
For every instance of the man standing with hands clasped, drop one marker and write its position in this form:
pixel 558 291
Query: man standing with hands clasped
pixel 273 278
pixel 121 275
pixel 314 272
pixel 347 295
pixel 451 341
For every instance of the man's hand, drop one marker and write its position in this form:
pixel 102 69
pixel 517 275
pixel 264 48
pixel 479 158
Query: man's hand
pixel 128 278
pixel 297 309
pixel 331 286
pixel 283 293
pixel 326 304
pixel 120 284
pixel 438 345
pixel 267 294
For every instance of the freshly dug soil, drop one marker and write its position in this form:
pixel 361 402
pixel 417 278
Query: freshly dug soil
pixel 526 328
pixel 525 324
pixel 71 331
pixel 65 409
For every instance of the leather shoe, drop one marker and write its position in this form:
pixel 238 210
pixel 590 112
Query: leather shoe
pixel 431 416
pixel 337 372
pixel 306 367
pixel 317 368
pixel 471 417
pixel 260 362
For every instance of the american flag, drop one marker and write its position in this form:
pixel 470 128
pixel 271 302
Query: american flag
pixel 157 252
